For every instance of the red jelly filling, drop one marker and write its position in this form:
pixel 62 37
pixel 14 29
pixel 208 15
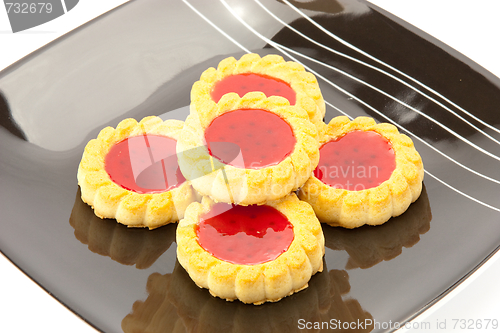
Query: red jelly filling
pixel 359 160
pixel 244 83
pixel 244 235
pixel 144 164
pixel 250 138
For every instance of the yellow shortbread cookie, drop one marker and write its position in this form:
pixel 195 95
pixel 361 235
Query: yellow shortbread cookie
pixel 110 200
pixel 254 283
pixel 376 205
pixel 304 84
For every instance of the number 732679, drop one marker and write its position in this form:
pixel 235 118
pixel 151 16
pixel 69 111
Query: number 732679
pixel 478 324
pixel 28 8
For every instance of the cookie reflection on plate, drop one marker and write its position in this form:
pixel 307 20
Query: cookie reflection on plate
pixel 369 245
pixel 128 246
pixel 156 313
pixel 344 310
pixel 323 303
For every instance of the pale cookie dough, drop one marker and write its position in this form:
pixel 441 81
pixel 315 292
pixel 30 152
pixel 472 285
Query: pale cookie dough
pixel 226 183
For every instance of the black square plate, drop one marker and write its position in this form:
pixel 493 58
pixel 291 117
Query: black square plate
pixel 142 58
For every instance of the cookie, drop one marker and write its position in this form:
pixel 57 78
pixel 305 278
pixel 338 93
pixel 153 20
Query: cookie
pixel 270 74
pixel 253 253
pixel 248 150
pixel 131 174
pixel 367 173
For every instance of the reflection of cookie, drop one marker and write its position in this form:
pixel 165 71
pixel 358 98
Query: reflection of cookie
pixel 127 246
pixel 270 74
pixel 344 315
pixel 241 171
pixel 344 196
pixel 130 173
pixel 269 275
pixel 156 314
pixel 198 309
pixel 176 304
pixel 367 245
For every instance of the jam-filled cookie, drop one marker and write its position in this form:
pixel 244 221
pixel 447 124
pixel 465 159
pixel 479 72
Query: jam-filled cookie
pixel 270 74
pixel 251 253
pixel 367 173
pixel 248 150
pixel 131 173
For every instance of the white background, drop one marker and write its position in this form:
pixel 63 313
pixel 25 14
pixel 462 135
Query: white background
pixel 471 27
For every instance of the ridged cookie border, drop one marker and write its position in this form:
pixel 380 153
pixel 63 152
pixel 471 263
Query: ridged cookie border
pixel 110 200
pixel 305 84
pixel 374 206
pixel 266 282
pixel 225 183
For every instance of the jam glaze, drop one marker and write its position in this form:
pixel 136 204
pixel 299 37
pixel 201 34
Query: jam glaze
pixel 250 138
pixel 244 235
pixel 244 83
pixel 144 164
pixel 356 161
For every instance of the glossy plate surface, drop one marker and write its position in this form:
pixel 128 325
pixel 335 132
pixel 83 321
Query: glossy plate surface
pixel 142 58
